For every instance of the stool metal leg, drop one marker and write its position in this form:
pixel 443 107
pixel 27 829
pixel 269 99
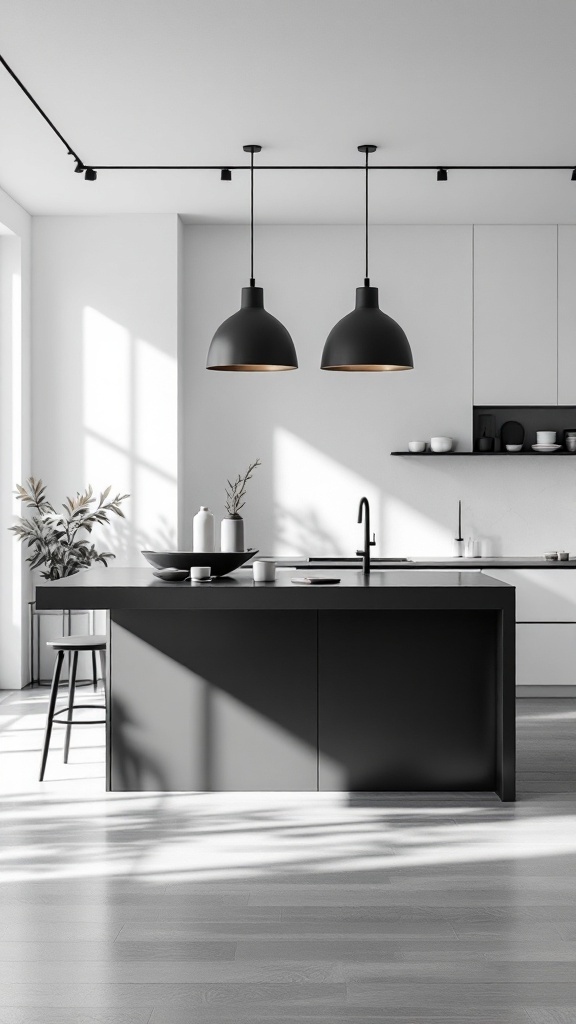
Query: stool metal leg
pixel 94 671
pixel 51 707
pixel 72 690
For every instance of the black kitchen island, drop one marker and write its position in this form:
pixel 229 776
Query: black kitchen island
pixel 394 681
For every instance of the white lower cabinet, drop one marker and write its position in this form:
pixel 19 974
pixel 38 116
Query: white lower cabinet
pixel 546 654
pixel 542 595
pixel 545 624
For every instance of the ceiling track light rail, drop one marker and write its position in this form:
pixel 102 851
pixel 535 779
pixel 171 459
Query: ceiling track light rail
pixel 337 167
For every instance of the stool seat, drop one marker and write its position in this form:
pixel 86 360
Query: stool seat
pixel 90 642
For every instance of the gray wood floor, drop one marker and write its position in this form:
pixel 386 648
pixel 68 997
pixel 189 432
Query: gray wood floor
pixel 266 907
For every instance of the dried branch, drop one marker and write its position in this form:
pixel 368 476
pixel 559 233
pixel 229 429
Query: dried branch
pixel 235 491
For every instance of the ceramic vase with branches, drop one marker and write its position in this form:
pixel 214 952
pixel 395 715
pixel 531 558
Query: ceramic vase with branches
pixel 232 527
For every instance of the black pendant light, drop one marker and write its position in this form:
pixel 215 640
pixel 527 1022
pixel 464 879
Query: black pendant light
pixel 252 339
pixel 367 339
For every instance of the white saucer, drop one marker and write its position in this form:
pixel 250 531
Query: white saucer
pixel 546 447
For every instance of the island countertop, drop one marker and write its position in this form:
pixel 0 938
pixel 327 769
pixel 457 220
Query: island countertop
pixel 117 588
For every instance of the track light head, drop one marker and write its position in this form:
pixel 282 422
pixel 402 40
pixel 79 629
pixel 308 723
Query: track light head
pixel 225 174
pixel 442 174
pixel 573 178
pixel 79 169
pixel 90 174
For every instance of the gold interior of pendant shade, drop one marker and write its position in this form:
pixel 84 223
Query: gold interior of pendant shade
pixel 252 367
pixel 375 367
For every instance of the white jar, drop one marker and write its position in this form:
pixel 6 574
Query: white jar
pixel 203 532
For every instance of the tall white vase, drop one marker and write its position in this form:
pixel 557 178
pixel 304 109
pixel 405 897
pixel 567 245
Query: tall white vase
pixel 203 530
pixel 232 534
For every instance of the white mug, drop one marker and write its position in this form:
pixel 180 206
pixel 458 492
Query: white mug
pixel 264 570
pixel 200 572
pixel 545 437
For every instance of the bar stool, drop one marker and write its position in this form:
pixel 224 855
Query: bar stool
pixel 72 645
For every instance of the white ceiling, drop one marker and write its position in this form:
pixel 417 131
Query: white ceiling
pixel 190 81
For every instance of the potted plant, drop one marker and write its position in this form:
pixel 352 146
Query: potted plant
pixel 232 527
pixel 60 541
pixel 60 544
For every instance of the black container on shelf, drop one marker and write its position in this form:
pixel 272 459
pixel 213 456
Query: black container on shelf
pixel 484 444
pixel 511 432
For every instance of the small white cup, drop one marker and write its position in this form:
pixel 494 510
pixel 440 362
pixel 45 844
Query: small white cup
pixel 545 437
pixel 416 446
pixel 200 572
pixel 264 570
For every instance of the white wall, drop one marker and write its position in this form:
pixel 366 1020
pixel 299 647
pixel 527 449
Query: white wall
pixel 325 438
pixel 104 382
pixel 15 227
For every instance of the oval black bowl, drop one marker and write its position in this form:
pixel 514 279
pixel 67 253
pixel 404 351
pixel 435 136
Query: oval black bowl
pixel 220 562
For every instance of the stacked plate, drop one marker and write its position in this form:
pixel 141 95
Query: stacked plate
pixel 544 449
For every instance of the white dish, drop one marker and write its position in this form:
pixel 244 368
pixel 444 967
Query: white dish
pixel 544 448
pixel 514 447
pixel 172 575
pixel 416 446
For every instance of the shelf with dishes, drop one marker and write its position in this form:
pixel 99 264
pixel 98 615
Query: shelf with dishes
pixel 511 431
pixel 450 455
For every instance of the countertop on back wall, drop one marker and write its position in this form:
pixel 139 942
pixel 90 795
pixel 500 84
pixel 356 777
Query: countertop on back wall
pixel 494 562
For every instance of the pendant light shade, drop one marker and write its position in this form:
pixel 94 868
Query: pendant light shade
pixel 252 340
pixel 367 339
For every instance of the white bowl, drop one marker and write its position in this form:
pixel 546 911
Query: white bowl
pixel 441 444
pixel 545 437
pixel 513 447
pixel 416 446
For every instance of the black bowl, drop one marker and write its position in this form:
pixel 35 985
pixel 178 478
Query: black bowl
pixel 220 562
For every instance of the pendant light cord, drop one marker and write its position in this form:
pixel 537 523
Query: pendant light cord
pixel 252 280
pixel 366 277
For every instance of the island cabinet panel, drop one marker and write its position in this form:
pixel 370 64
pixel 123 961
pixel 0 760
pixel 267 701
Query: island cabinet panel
pixel 407 701
pixel 215 700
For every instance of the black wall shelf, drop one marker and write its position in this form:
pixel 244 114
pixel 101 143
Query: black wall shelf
pixel 489 455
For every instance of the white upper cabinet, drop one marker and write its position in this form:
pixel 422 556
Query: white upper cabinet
pixel 567 315
pixel 515 315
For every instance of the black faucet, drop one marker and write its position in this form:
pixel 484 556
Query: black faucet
pixel 364 506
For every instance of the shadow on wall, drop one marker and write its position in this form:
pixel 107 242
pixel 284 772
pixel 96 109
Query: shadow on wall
pixel 130 432
pixel 124 537
pixel 327 523
pixel 302 532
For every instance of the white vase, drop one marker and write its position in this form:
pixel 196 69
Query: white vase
pixel 232 534
pixel 203 530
